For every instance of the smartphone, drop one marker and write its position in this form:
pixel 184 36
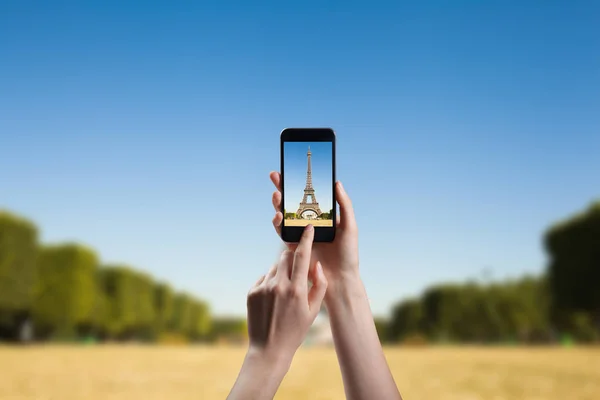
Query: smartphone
pixel 308 183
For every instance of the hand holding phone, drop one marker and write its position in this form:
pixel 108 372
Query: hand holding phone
pixel 355 336
pixel 339 256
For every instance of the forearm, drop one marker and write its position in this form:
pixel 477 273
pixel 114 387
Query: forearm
pixel 260 376
pixel 364 368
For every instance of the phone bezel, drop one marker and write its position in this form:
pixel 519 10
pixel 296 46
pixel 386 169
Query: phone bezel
pixel 292 234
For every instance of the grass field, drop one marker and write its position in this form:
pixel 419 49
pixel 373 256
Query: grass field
pixel 304 222
pixel 181 373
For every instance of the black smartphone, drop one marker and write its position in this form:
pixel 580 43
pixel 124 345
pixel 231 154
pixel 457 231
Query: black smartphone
pixel 308 183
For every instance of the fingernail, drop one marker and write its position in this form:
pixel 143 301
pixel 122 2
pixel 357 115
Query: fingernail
pixel 319 268
pixel 309 228
pixel 342 187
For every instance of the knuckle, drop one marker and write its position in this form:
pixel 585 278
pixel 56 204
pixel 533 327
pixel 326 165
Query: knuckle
pixel 254 292
pixel 253 297
pixel 295 292
pixel 277 289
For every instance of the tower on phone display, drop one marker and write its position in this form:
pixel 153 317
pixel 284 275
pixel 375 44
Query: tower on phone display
pixel 309 210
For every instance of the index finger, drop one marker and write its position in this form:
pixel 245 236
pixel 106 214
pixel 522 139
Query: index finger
pixel 302 257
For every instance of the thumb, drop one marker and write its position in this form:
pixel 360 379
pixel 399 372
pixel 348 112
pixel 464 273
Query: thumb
pixel 317 291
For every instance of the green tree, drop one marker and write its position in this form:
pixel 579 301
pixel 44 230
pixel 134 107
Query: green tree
pixel 118 284
pixel 163 307
pixel 181 321
pixel 66 291
pixel 229 328
pixel 470 312
pixel 381 325
pixel 100 316
pixel 18 252
pixel 200 320
pixel 407 320
pixel 573 273
pixel 143 327
pixel 442 308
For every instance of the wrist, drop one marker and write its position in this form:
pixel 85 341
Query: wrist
pixel 261 374
pixel 344 288
pixel 268 359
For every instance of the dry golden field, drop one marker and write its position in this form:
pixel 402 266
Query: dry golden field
pixel 304 222
pixel 182 373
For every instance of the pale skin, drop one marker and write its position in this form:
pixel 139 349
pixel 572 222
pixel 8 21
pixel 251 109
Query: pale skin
pixel 281 309
pixel 365 372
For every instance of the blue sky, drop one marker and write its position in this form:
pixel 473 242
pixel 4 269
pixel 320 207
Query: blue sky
pixel 148 130
pixel 295 157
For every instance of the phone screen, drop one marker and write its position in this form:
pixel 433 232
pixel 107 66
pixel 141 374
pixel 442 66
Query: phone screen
pixel 308 184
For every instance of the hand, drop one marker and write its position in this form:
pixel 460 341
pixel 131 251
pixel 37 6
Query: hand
pixel 281 308
pixel 340 257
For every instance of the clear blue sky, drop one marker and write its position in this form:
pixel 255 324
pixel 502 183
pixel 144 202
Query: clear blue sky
pixel 148 130
pixel 295 157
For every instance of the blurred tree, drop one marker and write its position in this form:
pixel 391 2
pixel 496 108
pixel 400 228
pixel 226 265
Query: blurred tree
pixel 66 291
pixel 228 328
pixel 505 311
pixel 118 284
pixel 442 309
pixel 100 314
pixel 181 321
pixel 406 320
pixel 69 296
pixel 18 251
pixel 581 326
pixel 574 268
pixel 200 320
pixel 143 326
pixel 381 325
pixel 163 307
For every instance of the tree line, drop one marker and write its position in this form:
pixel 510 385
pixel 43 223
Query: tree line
pixel 561 304
pixel 63 292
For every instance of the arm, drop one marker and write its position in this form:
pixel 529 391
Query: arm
pixel 260 376
pixel 364 367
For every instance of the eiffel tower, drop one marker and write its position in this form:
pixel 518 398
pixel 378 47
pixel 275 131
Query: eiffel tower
pixel 307 208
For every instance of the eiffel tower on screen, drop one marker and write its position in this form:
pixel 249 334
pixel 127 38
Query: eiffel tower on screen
pixel 309 210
